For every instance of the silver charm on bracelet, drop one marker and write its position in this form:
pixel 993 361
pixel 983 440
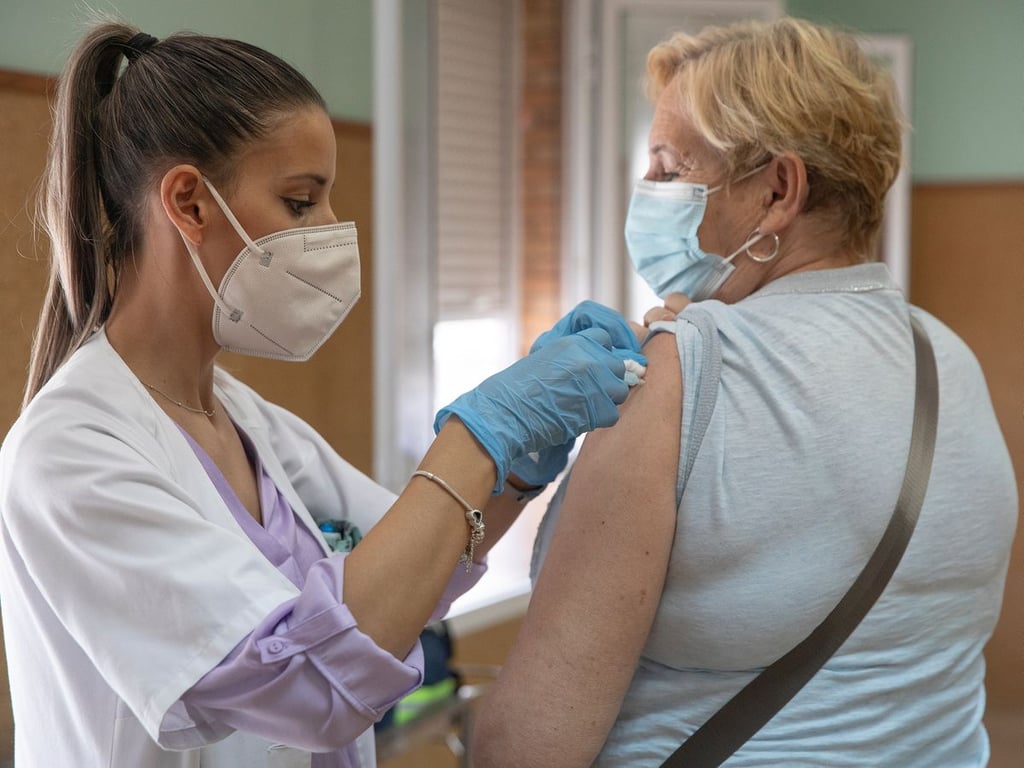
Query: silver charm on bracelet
pixel 474 517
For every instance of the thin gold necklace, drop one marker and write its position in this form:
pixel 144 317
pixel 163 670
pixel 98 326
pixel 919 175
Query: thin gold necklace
pixel 180 404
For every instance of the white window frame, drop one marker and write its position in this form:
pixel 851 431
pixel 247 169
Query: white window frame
pixel 405 259
pixel 403 215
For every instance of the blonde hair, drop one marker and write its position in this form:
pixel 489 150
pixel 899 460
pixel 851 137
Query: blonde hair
pixel 758 89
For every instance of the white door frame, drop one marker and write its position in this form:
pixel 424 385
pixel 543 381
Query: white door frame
pixel 404 212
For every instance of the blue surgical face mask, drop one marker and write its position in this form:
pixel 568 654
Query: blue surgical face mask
pixel 661 236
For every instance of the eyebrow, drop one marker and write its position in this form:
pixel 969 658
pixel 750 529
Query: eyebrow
pixel 669 150
pixel 312 176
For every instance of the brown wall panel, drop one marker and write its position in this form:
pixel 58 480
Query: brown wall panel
pixel 24 133
pixel 967 268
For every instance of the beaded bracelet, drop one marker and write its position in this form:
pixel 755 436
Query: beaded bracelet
pixel 474 517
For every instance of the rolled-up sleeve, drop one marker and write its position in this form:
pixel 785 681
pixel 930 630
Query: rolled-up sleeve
pixel 306 675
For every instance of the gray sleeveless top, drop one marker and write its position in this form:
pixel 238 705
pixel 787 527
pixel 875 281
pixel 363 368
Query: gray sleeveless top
pixel 797 406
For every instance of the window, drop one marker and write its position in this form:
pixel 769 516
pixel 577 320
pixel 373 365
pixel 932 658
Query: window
pixel 444 192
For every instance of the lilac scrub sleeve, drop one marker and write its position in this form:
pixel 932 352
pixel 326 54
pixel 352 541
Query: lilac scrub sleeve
pixel 306 675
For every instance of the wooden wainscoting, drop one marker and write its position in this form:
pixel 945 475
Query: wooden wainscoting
pixel 967 268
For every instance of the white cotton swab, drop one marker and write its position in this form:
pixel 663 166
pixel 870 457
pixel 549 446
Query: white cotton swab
pixel 634 373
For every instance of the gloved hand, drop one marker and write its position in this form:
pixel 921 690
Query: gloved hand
pixel 569 386
pixel 590 314
pixel 541 467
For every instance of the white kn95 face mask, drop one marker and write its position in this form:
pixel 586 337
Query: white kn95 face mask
pixel 286 293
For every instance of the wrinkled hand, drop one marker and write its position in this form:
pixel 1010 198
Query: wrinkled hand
pixel 568 386
pixel 541 467
pixel 674 304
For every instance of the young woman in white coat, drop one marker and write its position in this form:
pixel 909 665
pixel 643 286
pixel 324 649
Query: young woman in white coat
pixel 168 598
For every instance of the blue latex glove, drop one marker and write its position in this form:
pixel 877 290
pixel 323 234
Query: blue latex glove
pixel 571 385
pixel 541 467
pixel 590 314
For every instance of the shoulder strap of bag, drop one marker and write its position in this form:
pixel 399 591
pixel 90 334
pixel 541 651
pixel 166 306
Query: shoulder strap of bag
pixel 750 709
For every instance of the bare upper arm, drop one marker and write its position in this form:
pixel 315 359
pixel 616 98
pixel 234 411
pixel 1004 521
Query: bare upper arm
pixel 596 596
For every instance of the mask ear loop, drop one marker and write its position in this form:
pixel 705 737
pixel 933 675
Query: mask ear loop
pixel 738 179
pixel 234 222
pixel 233 313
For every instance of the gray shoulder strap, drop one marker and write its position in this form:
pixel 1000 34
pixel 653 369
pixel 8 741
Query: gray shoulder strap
pixel 750 709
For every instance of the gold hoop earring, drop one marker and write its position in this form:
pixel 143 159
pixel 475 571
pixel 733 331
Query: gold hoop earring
pixel 770 256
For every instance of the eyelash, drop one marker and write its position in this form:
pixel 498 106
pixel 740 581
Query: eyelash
pixel 672 171
pixel 298 206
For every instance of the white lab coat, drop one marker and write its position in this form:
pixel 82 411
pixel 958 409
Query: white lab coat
pixel 124 578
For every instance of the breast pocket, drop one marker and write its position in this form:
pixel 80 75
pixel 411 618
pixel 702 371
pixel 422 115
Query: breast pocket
pixel 245 750
pixel 280 756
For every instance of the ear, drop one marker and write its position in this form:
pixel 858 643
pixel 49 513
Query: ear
pixel 787 181
pixel 185 200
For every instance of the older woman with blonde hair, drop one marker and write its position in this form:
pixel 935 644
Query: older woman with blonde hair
pixel 749 481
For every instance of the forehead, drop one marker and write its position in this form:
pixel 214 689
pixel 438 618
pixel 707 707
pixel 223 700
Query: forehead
pixel 672 127
pixel 300 141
